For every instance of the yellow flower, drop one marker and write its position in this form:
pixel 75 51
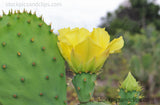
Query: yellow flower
pixel 87 51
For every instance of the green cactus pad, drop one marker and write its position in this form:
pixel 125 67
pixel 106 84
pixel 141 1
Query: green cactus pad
pixel 32 70
pixel 129 91
pixel 130 83
pixel 128 97
pixel 84 84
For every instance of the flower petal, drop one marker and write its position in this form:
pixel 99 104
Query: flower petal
pixel 116 45
pixel 101 59
pixel 62 35
pixel 63 31
pixel 65 50
pixel 76 63
pixel 77 35
pixel 88 49
pixel 100 36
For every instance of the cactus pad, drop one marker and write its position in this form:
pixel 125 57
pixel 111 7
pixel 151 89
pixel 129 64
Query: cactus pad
pixel 84 84
pixel 32 70
pixel 129 92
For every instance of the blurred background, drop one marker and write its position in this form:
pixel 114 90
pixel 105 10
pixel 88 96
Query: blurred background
pixel 138 21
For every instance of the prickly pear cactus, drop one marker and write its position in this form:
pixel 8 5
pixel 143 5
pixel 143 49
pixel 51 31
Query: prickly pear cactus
pixel 32 69
pixel 129 92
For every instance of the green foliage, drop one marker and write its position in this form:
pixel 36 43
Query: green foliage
pixel 125 24
pixel 147 61
pixel 32 70
pixel 144 57
pixel 137 70
pixel 84 84
pixel 132 18
pixel 135 64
